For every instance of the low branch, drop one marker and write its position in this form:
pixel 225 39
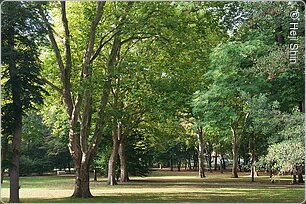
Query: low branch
pixel 54 87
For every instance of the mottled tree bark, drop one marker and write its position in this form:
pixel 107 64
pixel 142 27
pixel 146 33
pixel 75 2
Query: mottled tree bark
pixel 111 178
pixel 124 177
pixel 81 187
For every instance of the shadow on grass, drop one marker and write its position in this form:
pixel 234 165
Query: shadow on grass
pixel 222 196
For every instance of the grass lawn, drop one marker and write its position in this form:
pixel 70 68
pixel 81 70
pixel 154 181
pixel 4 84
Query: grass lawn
pixel 163 186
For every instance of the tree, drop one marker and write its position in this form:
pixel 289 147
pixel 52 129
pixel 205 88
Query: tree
pixel 34 146
pixel 282 158
pixel 86 96
pixel 22 32
pixel 223 104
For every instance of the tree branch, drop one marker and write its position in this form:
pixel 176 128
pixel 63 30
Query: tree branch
pixel 102 44
pixel 66 41
pixel 136 38
pixel 91 41
pixel 101 114
pixel 85 76
pixel 66 84
pixel 54 87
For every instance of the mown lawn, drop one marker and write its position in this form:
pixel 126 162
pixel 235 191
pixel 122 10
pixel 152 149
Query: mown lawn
pixel 164 186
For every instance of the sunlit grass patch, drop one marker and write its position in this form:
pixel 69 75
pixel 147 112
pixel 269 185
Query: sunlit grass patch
pixel 172 187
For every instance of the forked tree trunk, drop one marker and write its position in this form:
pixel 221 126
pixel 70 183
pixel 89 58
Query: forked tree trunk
pixel 111 178
pixel 235 153
pixel 80 110
pixel 201 152
pixel 124 177
pixel 81 187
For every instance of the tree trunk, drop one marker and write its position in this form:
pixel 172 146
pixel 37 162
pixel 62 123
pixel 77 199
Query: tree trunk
pixel 81 187
pixel 300 174
pixel 195 161
pixel 201 152
pixel 111 178
pixel 209 162
pixel 95 174
pixel 300 178
pixel 123 166
pixel 69 167
pixel 4 151
pixel 253 168
pixel 189 164
pixel 179 166
pixel 294 181
pixel 2 175
pixel 17 124
pixel 171 164
pixel 14 167
pixel 302 106
pixel 239 164
pixel 216 161
pixel 235 153
pixel 80 149
pixel 271 171
pixel 221 164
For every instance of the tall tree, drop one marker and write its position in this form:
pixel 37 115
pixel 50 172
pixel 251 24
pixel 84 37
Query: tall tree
pixel 22 31
pixel 86 96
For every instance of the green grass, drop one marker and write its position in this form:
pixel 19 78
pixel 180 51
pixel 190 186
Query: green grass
pixel 163 186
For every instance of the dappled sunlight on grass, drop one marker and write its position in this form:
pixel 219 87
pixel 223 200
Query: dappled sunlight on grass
pixel 172 187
